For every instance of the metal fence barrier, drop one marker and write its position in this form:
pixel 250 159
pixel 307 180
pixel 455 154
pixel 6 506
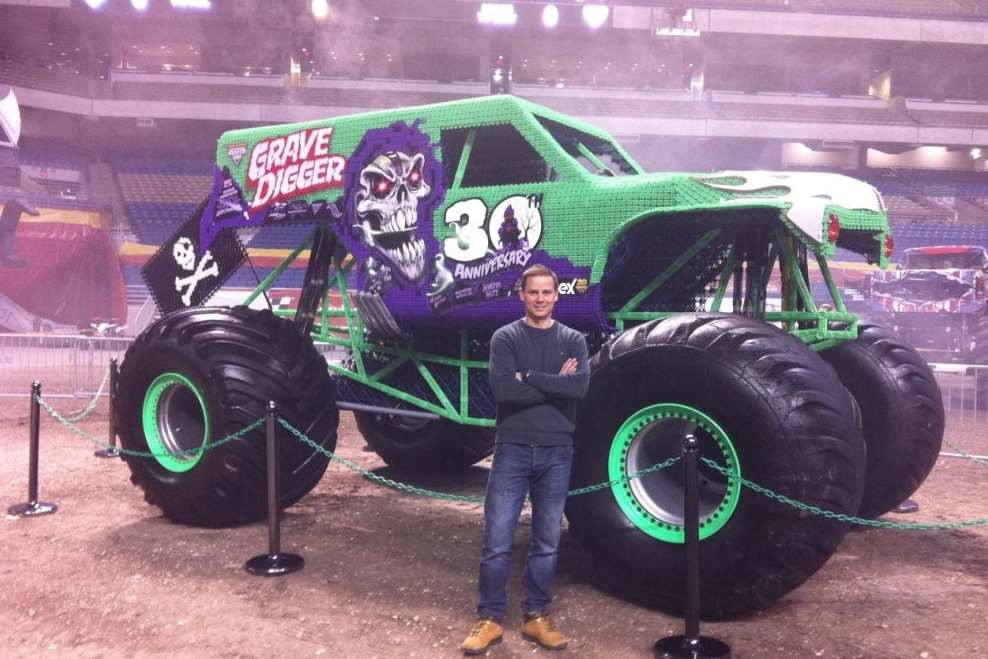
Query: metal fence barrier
pixel 71 366
pixel 965 390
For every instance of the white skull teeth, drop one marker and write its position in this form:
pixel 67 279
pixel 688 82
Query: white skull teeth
pixel 409 257
pixel 403 219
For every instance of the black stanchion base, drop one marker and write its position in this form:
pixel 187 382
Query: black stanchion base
pixel 907 506
pixel 33 509
pixel 274 565
pixel 107 453
pixel 691 647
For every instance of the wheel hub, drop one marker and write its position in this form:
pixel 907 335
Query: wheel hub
pixel 654 501
pixel 175 421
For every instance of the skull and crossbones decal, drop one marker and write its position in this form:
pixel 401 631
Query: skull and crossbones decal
pixel 391 187
pixel 184 253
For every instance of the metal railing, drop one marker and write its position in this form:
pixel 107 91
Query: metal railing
pixel 71 366
pixel 965 390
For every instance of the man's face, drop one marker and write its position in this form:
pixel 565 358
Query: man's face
pixel 539 296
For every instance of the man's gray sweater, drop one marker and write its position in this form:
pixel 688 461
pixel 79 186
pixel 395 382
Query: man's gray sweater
pixel 542 409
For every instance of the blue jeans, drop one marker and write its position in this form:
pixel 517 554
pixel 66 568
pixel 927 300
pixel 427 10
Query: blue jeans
pixel 542 472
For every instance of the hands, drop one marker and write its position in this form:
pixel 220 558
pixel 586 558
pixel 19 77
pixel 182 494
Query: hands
pixel 568 368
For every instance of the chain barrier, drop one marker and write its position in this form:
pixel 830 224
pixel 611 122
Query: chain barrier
pixel 70 421
pixel 964 454
pixel 147 454
pixel 421 491
pixel 829 514
pixel 382 480
pixel 75 417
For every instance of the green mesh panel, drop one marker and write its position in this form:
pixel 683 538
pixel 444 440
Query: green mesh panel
pixel 585 212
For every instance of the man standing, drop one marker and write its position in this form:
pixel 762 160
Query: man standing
pixel 538 372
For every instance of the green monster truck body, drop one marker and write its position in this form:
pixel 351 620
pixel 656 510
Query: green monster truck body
pixel 424 218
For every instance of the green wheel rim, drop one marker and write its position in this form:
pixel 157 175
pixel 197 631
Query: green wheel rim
pixel 654 502
pixel 176 424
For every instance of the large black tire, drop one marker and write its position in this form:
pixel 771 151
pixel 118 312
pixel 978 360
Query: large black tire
pixel 225 365
pixel 790 424
pixel 901 413
pixel 424 445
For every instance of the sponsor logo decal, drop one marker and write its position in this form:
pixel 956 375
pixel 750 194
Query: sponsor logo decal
pixel 236 153
pixel 577 286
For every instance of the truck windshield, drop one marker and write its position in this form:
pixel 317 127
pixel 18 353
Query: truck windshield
pixel 596 155
pixel 945 261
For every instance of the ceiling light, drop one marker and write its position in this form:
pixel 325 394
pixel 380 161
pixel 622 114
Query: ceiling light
pixel 595 15
pixel 497 13
pixel 550 16
pixel 320 9
pixel 139 5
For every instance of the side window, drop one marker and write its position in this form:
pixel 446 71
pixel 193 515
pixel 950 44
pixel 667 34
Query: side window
pixel 452 141
pixel 501 156
pixel 596 155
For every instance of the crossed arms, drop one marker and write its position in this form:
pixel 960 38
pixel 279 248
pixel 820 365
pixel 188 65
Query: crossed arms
pixel 510 385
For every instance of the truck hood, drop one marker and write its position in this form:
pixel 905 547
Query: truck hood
pixel 808 196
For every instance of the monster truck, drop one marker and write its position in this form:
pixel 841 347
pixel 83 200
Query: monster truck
pixel 937 300
pixel 422 220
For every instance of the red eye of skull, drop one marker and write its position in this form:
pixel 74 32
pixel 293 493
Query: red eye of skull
pixel 415 178
pixel 381 186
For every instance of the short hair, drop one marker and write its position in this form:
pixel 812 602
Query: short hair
pixel 539 270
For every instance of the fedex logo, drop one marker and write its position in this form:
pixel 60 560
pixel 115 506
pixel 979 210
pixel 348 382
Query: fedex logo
pixel 574 287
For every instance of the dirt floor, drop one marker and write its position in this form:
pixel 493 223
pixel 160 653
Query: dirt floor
pixel 392 575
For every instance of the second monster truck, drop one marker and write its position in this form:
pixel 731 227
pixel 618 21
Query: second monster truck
pixel 422 220
pixel 937 299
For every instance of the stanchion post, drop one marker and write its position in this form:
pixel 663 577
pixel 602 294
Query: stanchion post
pixel 111 450
pixel 691 645
pixel 274 563
pixel 33 507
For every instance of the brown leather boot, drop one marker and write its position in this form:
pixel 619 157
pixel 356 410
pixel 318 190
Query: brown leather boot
pixel 539 628
pixel 483 635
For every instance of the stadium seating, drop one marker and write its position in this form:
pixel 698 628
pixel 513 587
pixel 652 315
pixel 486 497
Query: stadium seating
pixel 908 235
pixel 961 119
pixel 916 209
pixel 218 93
pixel 38 77
pixel 957 9
pixel 807 113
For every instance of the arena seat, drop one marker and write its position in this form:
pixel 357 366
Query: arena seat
pixel 908 235
pixel 806 113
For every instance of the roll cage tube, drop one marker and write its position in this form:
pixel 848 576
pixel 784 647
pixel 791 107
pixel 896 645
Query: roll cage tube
pixel 754 254
pixel 341 325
